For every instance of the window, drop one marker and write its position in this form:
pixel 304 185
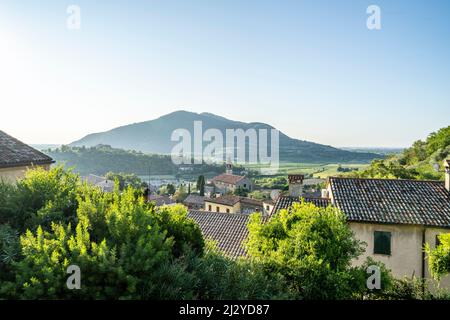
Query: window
pixel 217 209
pixel 382 242
pixel 209 208
pixel 228 210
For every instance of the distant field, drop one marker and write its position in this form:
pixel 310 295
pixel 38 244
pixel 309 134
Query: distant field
pixel 314 169
pixel 380 150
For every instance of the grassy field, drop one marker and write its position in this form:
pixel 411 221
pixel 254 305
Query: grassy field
pixel 314 169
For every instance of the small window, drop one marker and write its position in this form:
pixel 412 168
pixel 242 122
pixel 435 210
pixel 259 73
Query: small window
pixel 228 210
pixel 209 208
pixel 382 242
pixel 217 209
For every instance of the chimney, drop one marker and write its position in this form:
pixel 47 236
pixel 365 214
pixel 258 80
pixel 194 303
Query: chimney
pixel 295 185
pixel 229 168
pixel 447 174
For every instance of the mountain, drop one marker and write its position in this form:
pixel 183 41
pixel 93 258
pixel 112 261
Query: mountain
pixel 154 137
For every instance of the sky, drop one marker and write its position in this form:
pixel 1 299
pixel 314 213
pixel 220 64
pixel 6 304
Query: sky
pixel 310 68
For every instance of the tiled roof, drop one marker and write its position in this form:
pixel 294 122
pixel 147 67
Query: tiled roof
pixel 228 200
pixel 195 199
pixel 392 201
pixel 14 153
pixel 160 200
pixel 285 202
pixel 251 202
pixel 227 178
pixel 229 230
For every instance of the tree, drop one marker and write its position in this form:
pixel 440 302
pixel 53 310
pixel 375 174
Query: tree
pixel 240 191
pixel 125 180
pixel 41 198
pixel 125 250
pixel 171 189
pixel 311 247
pixel 439 257
pixel 180 194
pixel 201 185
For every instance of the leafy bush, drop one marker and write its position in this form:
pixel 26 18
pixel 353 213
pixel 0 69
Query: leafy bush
pixel 310 247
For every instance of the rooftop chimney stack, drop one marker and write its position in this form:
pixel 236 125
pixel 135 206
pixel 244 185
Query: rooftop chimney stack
pixel 447 174
pixel 295 185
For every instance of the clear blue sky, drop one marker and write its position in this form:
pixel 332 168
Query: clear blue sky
pixel 310 68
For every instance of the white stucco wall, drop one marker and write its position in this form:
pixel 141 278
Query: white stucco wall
pixel 406 248
pixel 12 174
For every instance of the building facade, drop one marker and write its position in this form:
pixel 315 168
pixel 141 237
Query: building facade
pixel 16 158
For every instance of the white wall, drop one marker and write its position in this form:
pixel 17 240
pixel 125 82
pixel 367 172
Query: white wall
pixel 12 174
pixel 406 248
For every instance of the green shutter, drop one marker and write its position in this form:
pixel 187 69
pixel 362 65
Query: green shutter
pixel 382 242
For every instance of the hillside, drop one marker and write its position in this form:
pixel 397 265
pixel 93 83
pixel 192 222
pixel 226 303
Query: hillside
pixel 102 159
pixel 154 137
pixel 423 160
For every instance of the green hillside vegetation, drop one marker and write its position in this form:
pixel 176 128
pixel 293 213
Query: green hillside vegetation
pixel 126 248
pixel 423 160
pixel 102 159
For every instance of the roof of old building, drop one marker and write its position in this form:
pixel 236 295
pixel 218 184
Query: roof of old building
pixel 14 153
pixel 251 202
pixel 285 202
pixel 160 200
pixel 228 200
pixel 195 199
pixel 393 201
pixel 229 230
pixel 227 178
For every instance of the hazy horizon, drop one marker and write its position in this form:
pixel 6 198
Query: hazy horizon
pixel 311 69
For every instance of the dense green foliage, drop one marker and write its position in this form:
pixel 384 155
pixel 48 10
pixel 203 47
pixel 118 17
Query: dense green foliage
pixel 126 180
pixel 125 248
pixel 439 257
pixel 128 249
pixel 241 191
pixel 201 185
pixel 417 162
pixel 102 159
pixel 311 247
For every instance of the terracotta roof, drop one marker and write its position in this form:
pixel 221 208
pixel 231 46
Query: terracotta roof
pixel 160 200
pixel 229 230
pixel 251 202
pixel 195 199
pixel 227 178
pixel 228 200
pixel 393 201
pixel 14 153
pixel 285 202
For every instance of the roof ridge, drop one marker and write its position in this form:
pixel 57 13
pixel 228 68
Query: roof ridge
pixel 219 213
pixel 20 153
pixel 385 179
